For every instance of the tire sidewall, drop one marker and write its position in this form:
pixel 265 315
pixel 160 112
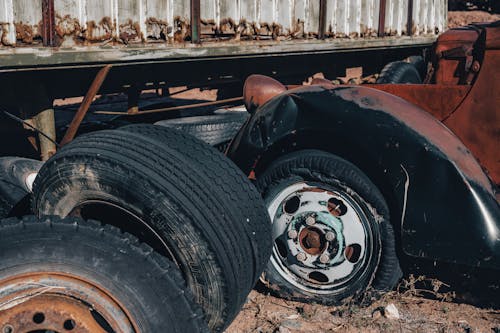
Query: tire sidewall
pixel 128 275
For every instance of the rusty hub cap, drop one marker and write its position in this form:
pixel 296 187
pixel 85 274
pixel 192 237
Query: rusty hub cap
pixel 59 303
pixel 321 236
pixel 312 240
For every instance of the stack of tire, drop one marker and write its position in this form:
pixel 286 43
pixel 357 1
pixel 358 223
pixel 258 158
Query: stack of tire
pixel 182 239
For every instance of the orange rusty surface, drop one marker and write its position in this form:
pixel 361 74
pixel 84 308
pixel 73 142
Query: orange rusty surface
pixel 422 122
pixel 311 241
pixel 477 120
pixel 449 64
pixel 259 89
pixel 58 297
pixel 50 313
pixel 438 100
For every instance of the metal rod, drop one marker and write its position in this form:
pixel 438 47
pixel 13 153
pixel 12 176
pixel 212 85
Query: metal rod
pixel 48 23
pixel 173 108
pixel 381 19
pixel 26 123
pixel 195 21
pixel 84 107
pixel 322 19
pixel 409 23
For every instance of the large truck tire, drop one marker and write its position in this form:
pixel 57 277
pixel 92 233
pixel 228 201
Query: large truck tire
pixel 399 72
pixel 216 130
pixel 331 230
pixel 224 174
pixel 16 178
pixel 60 275
pixel 156 190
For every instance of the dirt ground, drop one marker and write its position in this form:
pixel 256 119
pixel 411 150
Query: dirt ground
pixel 441 314
pixel 458 19
pixel 268 314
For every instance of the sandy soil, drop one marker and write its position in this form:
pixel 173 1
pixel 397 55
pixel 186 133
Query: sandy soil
pixel 267 314
pixel 457 19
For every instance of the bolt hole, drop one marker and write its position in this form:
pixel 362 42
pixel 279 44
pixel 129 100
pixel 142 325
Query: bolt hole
pixel 281 247
pixel 69 324
pixel 336 207
pixel 318 277
pixel 353 253
pixel 291 205
pixel 38 318
pixel 8 329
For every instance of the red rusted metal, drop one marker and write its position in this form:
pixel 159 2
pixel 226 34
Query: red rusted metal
pixel 453 56
pixel 322 19
pixel 195 21
pixel 438 100
pixel 84 107
pixel 58 302
pixel 259 89
pixel 381 19
pixel 409 23
pixel 465 94
pixel 477 120
pixel 312 240
pixel 48 23
pixel 417 119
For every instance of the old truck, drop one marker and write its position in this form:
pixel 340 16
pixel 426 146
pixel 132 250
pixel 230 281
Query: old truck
pixel 348 174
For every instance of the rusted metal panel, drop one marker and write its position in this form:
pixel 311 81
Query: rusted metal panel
pixel 428 17
pixel 101 22
pixel 48 23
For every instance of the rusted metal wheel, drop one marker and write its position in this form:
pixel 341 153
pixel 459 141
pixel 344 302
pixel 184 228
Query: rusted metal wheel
pixel 332 238
pixel 60 302
pixel 79 276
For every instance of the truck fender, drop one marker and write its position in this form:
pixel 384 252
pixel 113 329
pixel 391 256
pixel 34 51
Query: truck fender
pixel 440 198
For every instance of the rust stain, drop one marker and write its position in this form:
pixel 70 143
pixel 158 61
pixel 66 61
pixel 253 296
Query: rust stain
pixel 97 32
pixel 182 29
pixel 157 29
pixel 130 31
pixel 26 33
pixel 68 26
pixel 4 33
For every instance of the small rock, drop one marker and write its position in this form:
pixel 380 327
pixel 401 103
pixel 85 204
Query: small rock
pixel 309 310
pixel 291 324
pixel 283 329
pixel 391 312
pixel 294 316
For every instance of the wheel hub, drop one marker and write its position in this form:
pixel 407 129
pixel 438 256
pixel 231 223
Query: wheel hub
pixel 320 237
pixel 311 247
pixel 59 303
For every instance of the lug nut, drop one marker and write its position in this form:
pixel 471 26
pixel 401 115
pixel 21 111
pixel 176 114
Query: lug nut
pixel 324 258
pixel 330 236
pixel 310 220
pixel 301 256
pixel 292 234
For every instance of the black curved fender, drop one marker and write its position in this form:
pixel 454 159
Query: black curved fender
pixel 442 199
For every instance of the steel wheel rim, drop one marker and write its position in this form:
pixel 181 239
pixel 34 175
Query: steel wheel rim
pixel 60 302
pixel 306 267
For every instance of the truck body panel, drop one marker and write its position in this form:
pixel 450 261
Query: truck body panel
pixel 64 32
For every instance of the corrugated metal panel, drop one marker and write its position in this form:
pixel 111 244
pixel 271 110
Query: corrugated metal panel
pixel 167 21
pixel 353 18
